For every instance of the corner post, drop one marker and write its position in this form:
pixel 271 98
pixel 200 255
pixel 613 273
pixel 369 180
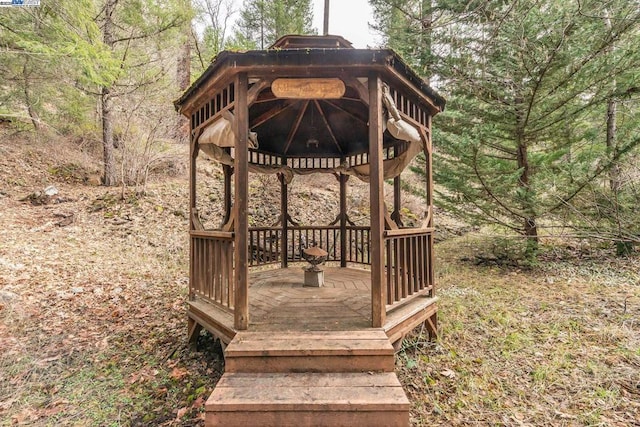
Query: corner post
pixel 429 176
pixel 376 189
pixel 193 157
pixel 397 203
pixel 343 220
pixel 284 217
pixel 241 177
pixel 227 171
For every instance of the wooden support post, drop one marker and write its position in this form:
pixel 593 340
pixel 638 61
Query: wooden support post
pixel 343 220
pixel 429 175
pixel 432 326
pixel 376 189
pixel 227 172
pixel 284 214
pixel 241 175
pixel 194 148
pixel 193 331
pixel 429 169
pixel 397 204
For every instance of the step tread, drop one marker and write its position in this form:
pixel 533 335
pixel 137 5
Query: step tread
pixel 307 379
pixel 308 392
pixel 246 344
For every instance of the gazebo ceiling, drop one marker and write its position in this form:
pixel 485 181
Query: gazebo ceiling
pixel 310 94
pixel 314 127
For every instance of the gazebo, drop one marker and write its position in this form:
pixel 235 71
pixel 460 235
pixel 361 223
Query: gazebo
pixel 310 104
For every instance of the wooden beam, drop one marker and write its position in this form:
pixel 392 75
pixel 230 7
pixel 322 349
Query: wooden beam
pixel 404 232
pixel 326 123
pixel 376 189
pixel 426 141
pixel 193 211
pixel 270 114
pixel 430 240
pixel 359 87
pixel 215 234
pixel 397 202
pixel 195 221
pixel 252 94
pixel 241 175
pixel 193 331
pixel 227 171
pixel 296 125
pixel 429 168
pixel 338 107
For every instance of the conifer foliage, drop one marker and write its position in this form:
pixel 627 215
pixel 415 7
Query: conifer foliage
pixel 530 86
pixel 262 22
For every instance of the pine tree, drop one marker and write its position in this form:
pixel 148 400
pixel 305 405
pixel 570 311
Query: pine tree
pixel 45 52
pixel 134 33
pixel 263 22
pixel 527 83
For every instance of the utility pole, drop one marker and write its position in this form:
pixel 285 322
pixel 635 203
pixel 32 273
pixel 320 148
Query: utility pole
pixel 326 17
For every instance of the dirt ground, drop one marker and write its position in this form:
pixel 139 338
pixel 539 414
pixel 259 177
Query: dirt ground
pixel 93 327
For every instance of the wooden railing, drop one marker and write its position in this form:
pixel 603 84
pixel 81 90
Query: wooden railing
pixel 358 245
pixel 326 237
pixel 407 260
pixel 407 257
pixel 265 243
pixel 212 267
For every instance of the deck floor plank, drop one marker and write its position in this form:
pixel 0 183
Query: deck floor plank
pixel 279 301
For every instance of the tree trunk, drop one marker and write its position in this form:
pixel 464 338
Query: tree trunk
pixel 183 79
pixel 530 226
pixel 28 99
pixel 426 36
pixel 614 172
pixel 109 172
pixel 612 107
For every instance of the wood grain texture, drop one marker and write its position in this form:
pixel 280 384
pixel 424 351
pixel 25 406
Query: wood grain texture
pixel 241 175
pixel 376 190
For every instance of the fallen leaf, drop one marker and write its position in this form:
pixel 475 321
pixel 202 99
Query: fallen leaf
pixel 178 373
pixel 448 373
pixel 182 412
pixel 199 402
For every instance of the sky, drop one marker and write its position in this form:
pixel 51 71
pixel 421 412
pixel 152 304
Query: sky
pixel 347 18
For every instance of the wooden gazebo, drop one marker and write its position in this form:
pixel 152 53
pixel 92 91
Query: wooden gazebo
pixel 309 104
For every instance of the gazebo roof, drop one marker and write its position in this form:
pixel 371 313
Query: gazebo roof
pixel 311 95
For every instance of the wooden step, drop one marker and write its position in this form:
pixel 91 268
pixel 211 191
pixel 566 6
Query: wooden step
pixel 340 351
pixel 308 399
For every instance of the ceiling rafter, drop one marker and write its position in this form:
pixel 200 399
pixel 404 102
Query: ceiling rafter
pixel 338 107
pixel 270 114
pixel 295 127
pixel 326 123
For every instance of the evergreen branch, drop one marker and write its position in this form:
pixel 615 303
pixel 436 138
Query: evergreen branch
pixel 543 73
pixel 168 26
pixel 487 188
pixel 599 171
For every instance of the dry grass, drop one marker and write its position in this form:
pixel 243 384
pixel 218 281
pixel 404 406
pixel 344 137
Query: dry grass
pixel 93 328
pixel 559 345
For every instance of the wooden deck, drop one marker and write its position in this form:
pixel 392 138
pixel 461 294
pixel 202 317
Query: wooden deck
pixel 332 378
pixel 279 301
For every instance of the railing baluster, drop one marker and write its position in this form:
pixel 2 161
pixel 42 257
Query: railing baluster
pixel 390 290
pixel 414 261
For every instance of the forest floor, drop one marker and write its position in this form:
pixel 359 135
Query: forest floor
pixel 93 327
